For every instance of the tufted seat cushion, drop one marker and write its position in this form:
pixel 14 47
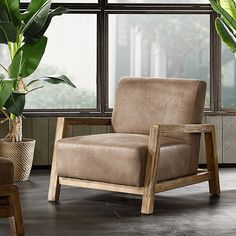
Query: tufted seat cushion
pixel 120 158
pixel 6 171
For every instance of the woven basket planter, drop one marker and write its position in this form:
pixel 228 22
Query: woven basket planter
pixel 21 154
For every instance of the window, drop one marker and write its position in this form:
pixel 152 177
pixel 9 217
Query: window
pixel 98 41
pixel 64 55
pixel 228 81
pixel 164 45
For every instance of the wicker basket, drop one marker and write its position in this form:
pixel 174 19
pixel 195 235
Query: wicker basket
pixel 21 154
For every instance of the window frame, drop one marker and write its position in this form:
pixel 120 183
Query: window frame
pixel 102 9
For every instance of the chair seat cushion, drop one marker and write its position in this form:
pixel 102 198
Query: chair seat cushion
pixel 119 158
pixel 6 171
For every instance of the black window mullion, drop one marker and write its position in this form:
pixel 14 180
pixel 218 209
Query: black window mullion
pixel 215 65
pixel 103 38
pixel 103 8
pixel 99 56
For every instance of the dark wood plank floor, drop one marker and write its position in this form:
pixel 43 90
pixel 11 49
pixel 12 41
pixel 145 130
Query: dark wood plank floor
pixel 187 211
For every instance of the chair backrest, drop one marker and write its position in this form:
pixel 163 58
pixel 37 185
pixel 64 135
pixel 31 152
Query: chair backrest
pixel 142 102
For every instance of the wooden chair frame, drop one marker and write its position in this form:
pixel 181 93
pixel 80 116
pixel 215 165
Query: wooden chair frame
pixel 13 209
pixel 150 185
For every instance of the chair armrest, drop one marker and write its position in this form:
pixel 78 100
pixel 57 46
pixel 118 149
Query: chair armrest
pixel 185 128
pixel 154 145
pixel 88 121
pixel 63 122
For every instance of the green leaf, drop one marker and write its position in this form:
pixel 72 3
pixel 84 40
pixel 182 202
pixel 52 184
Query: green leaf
pixel 32 55
pixel 15 103
pixel 226 35
pixel 6 86
pixel 32 8
pixel 228 19
pixel 7 32
pixel 36 17
pixel 62 79
pixel 3 14
pixel 229 6
pixel 56 12
pixel 13 11
pixel 7 29
pixel 15 67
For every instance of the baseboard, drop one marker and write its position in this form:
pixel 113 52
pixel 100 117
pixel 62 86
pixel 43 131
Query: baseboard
pixel 41 167
pixel 224 165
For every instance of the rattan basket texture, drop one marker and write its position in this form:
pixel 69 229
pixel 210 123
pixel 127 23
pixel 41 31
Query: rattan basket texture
pixel 21 154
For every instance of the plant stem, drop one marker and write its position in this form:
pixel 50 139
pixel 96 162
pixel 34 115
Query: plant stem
pixel 20 39
pixel 12 117
pixel 15 122
pixel 10 50
pixel 15 48
pixel 15 133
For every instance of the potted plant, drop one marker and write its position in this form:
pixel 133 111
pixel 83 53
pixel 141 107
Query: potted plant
pixel 23 34
pixel 226 22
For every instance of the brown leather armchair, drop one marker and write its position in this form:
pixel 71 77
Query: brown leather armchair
pixel 154 147
pixel 9 198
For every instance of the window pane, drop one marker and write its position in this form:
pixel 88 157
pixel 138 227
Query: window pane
pixel 228 79
pixel 158 1
pixel 159 46
pixel 71 50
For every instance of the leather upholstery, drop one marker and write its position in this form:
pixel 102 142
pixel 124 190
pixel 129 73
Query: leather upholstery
pixel 6 171
pixel 142 102
pixel 119 158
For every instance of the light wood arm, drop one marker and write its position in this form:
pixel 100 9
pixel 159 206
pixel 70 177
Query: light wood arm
pixel 186 128
pixel 61 128
pixel 63 122
pixel 54 187
pixel 154 151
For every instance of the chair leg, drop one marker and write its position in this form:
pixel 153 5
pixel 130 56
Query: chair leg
pixel 16 221
pixel 148 204
pixel 212 162
pixel 151 171
pixel 12 225
pixel 54 187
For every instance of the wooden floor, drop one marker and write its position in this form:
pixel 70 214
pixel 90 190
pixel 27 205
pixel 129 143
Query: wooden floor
pixel 187 211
